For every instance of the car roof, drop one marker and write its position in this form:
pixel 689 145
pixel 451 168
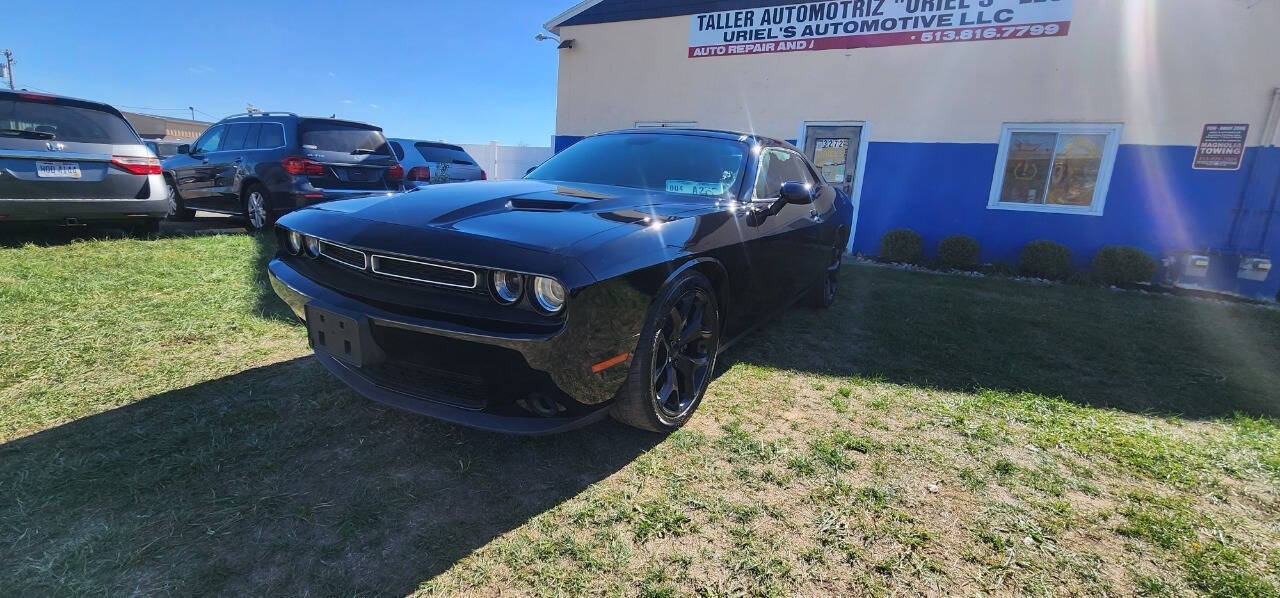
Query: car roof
pixel 290 115
pixel 713 133
pixel 38 95
pixel 445 144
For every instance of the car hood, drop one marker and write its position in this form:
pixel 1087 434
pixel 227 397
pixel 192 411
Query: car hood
pixel 540 215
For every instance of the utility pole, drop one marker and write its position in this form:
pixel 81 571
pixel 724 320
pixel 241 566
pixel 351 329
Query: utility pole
pixel 8 66
pixel 193 112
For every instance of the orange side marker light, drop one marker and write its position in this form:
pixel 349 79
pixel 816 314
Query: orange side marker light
pixel 608 363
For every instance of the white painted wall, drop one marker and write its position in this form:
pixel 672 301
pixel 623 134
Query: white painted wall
pixel 1164 68
pixel 506 161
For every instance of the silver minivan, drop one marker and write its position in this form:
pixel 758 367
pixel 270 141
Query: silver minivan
pixel 433 162
pixel 70 161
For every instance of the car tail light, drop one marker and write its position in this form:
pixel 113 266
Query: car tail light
pixel 395 173
pixel 135 165
pixel 483 175
pixel 296 165
pixel 420 173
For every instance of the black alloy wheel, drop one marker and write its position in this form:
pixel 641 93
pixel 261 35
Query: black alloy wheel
pixel 676 358
pixel 680 357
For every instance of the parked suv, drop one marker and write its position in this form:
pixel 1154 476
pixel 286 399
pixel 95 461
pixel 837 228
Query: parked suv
pixel 264 164
pixel 75 162
pixel 432 162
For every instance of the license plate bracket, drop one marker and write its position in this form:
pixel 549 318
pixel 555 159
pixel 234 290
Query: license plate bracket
pixel 58 170
pixel 335 334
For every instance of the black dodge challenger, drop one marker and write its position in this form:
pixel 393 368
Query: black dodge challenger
pixel 604 282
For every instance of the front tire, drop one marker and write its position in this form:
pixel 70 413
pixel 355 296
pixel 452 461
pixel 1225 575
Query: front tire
pixel 256 214
pixel 674 359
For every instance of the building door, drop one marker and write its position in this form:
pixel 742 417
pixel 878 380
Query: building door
pixel 834 150
pixel 837 149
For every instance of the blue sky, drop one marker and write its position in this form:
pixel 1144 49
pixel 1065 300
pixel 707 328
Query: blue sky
pixel 467 71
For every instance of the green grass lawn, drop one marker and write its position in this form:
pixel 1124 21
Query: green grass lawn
pixel 165 432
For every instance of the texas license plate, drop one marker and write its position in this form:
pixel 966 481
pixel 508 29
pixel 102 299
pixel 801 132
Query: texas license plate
pixel 58 170
pixel 334 334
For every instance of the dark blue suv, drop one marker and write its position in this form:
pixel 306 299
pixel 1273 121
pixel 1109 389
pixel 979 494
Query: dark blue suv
pixel 264 164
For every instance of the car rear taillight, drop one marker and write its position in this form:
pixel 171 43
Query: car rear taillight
pixel 395 173
pixel 483 175
pixel 420 173
pixel 135 165
pixel 296 165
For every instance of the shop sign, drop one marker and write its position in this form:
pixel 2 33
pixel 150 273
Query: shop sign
pixel 846 24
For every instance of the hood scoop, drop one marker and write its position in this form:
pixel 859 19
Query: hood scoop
pixel 526 204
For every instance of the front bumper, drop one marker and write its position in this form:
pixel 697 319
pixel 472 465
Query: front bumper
pixel 475 378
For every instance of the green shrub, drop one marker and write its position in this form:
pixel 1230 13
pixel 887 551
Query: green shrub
pixel 902 245
pixel 1045 259
pixel 1122 265
pixel 959 252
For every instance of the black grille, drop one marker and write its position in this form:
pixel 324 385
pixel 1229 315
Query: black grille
pixel 429 383
pixel 342 255
pixel 424 272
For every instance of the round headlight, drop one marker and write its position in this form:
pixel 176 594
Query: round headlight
pixel 507 286
pixel 548 293
pixel 295 242
pixel 313 245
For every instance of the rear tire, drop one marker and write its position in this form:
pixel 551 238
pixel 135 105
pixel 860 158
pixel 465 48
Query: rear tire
pixel 178 211
pixel 674 359
pixel 823 292
pixel 256 214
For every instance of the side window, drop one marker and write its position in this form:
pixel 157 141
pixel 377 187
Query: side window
pixel 777 167
pixel 235 137
pixel 395 147
pixel 251 138
pixel 271 136
pixel 210 141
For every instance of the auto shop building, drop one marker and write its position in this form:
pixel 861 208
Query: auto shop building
pixel 1150 123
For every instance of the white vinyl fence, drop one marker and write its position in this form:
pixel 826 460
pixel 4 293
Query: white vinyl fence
pixel 506 161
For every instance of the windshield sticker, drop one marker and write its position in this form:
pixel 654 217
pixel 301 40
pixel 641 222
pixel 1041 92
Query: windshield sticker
pixel 694 187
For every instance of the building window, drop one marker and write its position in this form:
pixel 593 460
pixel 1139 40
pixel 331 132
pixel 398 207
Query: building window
pixel 1055 167
pixel 668 124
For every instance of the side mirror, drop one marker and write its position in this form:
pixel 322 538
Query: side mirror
pixel 184 148
pixel 796 192
pixel 526 173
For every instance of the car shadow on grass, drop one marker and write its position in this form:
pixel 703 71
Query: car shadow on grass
pixel 269 305
pixel 1124 350
pixel 275 481
pixel 47 235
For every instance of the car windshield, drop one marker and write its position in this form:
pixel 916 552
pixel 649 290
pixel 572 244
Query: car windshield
pixel 684 164
pixel 351 138
pixel 51 120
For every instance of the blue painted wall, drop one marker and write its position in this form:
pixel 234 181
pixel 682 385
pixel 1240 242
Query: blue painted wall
pixel 560 142
pixel 1156 202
